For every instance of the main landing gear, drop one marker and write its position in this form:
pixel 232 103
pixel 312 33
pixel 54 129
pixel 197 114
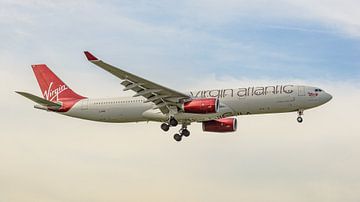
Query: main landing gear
pixel 173 122
pixel 300 113
pixel 166 126
pixel 183 132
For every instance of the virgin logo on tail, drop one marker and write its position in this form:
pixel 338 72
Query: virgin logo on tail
pixel 52 94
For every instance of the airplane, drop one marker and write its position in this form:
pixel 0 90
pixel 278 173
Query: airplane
pixel 216 109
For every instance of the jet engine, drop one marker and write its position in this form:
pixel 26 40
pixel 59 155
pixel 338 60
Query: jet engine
pixel 202 106
pixel 220 125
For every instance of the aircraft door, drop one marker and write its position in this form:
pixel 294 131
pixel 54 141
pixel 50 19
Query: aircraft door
pixel 85 104
pixel 301 90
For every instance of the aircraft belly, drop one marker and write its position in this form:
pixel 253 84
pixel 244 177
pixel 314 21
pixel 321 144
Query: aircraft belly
pixel 111 113
pixel 263 104
pixel 224 111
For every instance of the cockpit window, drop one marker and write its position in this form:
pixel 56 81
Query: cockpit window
pixel 318 90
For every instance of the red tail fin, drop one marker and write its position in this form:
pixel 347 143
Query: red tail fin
pixel 52 88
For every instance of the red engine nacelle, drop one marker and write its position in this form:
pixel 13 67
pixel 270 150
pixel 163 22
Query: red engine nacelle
pixel 202 106
pixel 220 125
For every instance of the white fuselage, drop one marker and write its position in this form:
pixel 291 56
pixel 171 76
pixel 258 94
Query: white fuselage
pixel 233 102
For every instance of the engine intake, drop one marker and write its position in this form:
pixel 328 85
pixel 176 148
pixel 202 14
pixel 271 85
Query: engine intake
pixel 202 106
pixel 220 125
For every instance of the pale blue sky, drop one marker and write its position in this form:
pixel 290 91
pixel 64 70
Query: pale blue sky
pixel 233 38
pixel 186 44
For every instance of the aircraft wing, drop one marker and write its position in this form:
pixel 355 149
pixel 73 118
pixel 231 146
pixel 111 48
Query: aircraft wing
pixel 164 98
pixel 39 100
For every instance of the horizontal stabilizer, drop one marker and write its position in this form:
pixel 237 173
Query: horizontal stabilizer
pixel 39 100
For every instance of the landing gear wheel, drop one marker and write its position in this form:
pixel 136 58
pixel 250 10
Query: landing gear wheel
pixel 165 127
pixel 173 122
pixel 185 132
pixel 300 113
pixel 177 137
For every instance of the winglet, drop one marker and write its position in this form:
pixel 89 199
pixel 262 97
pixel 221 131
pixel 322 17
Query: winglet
pixel 90 56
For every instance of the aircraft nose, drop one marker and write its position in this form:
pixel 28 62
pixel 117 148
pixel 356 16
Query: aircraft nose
pixel 328 97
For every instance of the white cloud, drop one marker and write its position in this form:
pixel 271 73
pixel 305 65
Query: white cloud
pixel 337 15
pixel 341 16
pixel 144 41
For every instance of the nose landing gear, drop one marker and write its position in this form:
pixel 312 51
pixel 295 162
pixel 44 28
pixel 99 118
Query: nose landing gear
pixel 300 113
